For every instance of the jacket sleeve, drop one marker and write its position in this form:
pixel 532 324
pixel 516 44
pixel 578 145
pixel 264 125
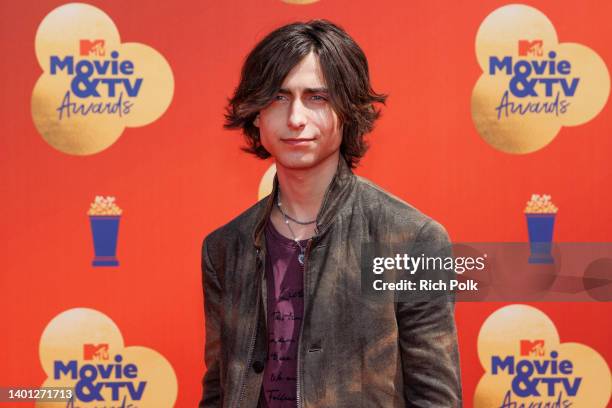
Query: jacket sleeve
pixel 211 393
pixel 428 337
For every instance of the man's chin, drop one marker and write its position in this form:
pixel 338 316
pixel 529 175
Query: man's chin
pixel 307 160
pixel 295 162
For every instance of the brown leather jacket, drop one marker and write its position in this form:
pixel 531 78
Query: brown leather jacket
pixel 352 352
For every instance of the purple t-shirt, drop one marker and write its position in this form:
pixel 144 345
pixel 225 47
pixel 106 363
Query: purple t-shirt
pixel 285 285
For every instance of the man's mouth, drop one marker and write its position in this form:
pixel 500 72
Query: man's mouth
pixel 297 141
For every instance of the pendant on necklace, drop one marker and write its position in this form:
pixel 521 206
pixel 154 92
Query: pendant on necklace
pixel 301 258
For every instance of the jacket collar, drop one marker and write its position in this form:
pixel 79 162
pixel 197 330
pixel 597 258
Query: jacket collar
pixel 335 196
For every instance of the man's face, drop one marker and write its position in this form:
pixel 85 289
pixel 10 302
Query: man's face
pixel 299 127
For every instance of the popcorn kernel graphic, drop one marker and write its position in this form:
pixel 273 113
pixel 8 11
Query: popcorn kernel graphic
pixel 93 85
pixel 104 206
pixel 532 85
pixel 540 204
pixel 147 378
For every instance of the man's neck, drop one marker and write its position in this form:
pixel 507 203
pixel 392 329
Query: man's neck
pixel 302 190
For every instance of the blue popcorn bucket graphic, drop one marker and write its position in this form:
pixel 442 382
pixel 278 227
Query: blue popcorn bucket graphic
pixel 540 228
pixel 105 230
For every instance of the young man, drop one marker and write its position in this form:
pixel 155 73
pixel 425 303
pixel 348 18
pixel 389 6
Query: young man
pixel 286 322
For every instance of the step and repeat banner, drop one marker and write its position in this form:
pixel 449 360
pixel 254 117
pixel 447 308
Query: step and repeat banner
pixel 115 166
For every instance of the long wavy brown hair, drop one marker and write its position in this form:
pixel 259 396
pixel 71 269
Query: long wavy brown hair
pixel 344 66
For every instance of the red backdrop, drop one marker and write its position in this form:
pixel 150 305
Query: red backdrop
pixel 182 176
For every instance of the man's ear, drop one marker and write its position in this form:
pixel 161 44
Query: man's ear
pixel 256 121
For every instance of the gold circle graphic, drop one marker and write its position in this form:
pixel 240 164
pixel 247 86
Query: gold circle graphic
pixel 88 125
pixel 521 125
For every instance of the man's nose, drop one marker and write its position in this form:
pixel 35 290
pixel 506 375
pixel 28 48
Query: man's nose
pixel 297 115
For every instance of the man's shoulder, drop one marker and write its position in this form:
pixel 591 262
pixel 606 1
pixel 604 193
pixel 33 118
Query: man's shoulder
pixel 378 202
pixel 238 229
pixel 386 208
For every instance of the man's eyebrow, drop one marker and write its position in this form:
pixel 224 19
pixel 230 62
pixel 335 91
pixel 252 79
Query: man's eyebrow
pixel 285 91
pixel 316 90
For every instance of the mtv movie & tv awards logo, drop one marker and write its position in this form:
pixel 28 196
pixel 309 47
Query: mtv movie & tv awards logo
pixel 93 86
pixel 527 366
pixel 114 79
pixel 532 85
pixel 83 349
pixel 527 79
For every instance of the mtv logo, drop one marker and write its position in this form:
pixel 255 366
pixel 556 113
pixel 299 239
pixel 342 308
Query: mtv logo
pixel 95 351
pixel 531 48
pixel 93 48
pixel 532 348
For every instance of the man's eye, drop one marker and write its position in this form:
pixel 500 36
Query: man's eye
pixel 280 98
pixel 318 98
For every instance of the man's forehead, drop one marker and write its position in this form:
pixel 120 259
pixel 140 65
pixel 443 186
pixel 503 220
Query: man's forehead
pixel 305 75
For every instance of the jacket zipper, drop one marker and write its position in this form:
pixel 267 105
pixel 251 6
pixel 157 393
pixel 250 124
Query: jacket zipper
pixel 297 382
pixel 251 345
